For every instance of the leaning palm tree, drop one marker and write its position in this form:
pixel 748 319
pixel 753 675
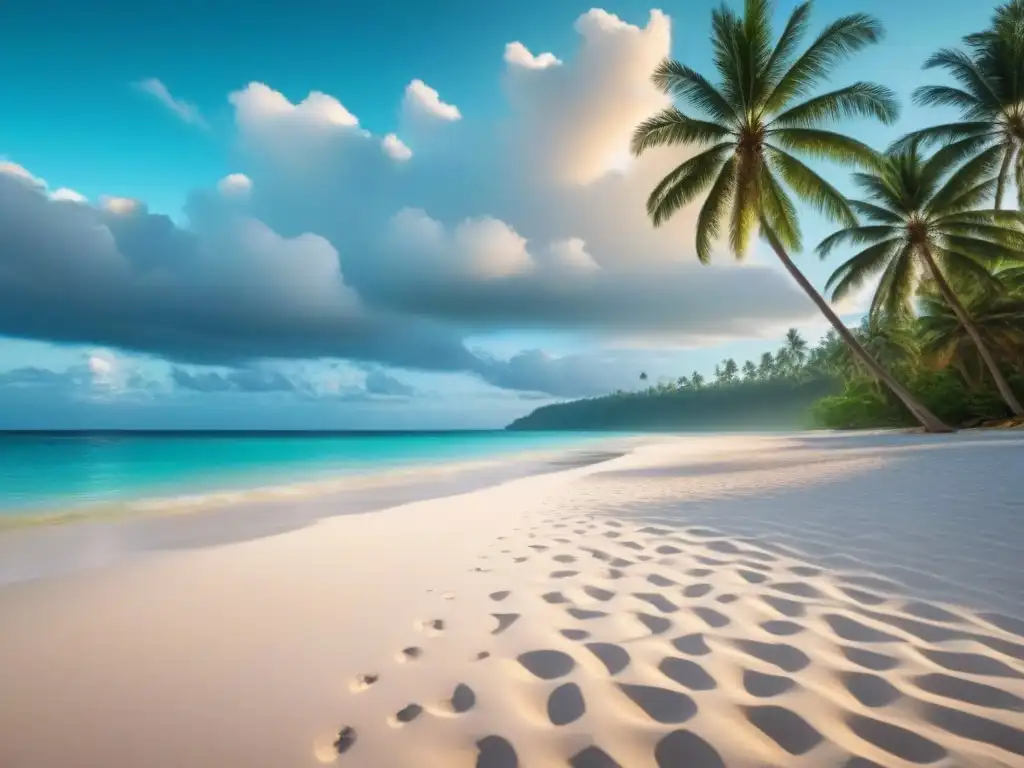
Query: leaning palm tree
pixel 989 96
pixel 924 219
pixel 750 131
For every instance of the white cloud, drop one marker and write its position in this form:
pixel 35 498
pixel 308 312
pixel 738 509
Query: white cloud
pixel 68 195
pixel 183 109
pixel 519 55
pixel 395 148
pixel 235 185
pixel 258 102
pixel 420 98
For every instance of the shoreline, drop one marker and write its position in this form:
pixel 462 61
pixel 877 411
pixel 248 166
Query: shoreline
pixel 306 485
pixel 797 600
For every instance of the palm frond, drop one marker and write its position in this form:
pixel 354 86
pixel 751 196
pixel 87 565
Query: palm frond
pixel 862 266
pixel 810 187
pixel 875 212
pixel 825 145
pixel 745 212
pixel 949 96
pixel 856 236
pixel 777 207
pixel 838 40
pixel 757 48
pixel 672 127
pixel 726 31
pixel 965 72
pixel 943 134
pixel 687 85
pixel 971 197
pixel 785 47
pixel 712 212
pixel 896 287
pixel 685 182
pixel 966 177
pixel 984 251
pixel 857 100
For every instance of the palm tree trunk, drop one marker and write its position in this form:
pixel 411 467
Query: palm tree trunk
pixel 972 330
pixel 928 420
pixel 1004 169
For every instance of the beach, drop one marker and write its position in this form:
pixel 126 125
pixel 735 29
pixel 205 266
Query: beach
pixel 746 600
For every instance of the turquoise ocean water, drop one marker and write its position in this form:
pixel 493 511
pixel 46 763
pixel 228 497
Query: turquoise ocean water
pixel 50 471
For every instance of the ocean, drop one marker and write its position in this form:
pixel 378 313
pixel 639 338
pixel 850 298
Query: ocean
pixel 61 471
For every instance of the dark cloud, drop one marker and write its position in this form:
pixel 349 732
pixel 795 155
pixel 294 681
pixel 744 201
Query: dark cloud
pixel 380 383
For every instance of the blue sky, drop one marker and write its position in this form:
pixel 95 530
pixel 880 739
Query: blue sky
pixel 77 117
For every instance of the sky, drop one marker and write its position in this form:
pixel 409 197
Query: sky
pixel 397 214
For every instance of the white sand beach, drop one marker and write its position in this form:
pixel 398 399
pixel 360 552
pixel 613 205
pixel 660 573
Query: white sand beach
pixel 801 600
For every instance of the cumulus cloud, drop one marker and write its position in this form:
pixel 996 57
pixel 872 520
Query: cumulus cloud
pixel 183 109
pixel 395 148
pixel 519 55
pixel 337 251
pixel 421 99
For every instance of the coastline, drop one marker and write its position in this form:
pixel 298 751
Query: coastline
pixel 799 600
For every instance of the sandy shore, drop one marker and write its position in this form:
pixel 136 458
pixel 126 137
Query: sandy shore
pixel 757 601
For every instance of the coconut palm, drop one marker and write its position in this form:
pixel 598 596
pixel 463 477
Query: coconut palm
pixel 797 347
pixel 924 219
pixel 998 317
pixel 750 131
pixel 697 381
pixel 749 370
pixel 766 368
pixel 989 96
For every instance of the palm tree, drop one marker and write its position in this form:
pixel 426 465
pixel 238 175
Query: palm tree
pixel 749 370
pixel 796 345
pixel 682 382
pixel 729 371
pixel 766 368
pixel 998 318
pixel 922 218
pixel 751 129
pixel 783 362
pixel 697 381
pixel 989 97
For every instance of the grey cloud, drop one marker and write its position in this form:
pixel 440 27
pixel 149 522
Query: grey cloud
pixel 380 383
pixel 241 380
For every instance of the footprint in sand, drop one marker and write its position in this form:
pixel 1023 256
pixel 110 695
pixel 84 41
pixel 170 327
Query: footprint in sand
pixel 364 681
pixel 496 752
pixel 412 653
pixel 499 596
pixel 785 727
pixel 566 704
pixel 346 738
pixel 505 620
pixel 547 664
pixel 405 715
pixel 431 626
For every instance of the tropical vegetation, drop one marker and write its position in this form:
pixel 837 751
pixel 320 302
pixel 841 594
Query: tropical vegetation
pixel 932 225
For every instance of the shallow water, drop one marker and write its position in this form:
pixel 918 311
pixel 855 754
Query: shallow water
pixel 49 471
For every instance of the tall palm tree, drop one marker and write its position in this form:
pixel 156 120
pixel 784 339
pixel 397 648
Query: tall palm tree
pixel 766 368
pixel 697 381
pixel 749 371
pixel 729 371
pixel 922 218
pixel 750 130
pixel 989 96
